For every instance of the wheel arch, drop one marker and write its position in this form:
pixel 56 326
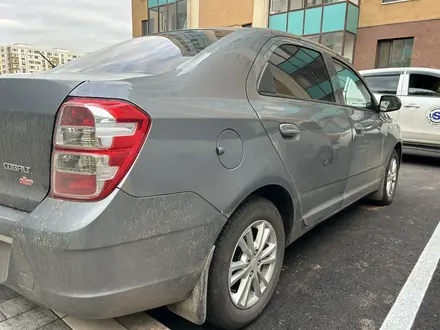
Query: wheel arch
pixel 282 200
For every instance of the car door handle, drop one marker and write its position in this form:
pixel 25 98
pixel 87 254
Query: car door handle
pixel 359 129
pixel 412 105
pixel 289 130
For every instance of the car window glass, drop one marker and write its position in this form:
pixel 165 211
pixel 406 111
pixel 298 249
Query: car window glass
pixel 424 85
pixel 297 72
pixel 152 54
pixel 353 89
pixel 383 84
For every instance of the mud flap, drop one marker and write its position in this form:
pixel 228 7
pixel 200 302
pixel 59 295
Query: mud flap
pixel 193 308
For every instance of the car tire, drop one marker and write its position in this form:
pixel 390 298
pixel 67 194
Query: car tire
pixel 385 194
pixel 229 307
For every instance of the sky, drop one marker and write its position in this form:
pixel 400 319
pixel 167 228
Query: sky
pixel 78 25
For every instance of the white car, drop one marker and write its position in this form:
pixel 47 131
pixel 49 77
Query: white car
pixel 419 117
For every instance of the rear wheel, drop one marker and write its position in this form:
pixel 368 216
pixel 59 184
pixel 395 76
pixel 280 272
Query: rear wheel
pixel 246 265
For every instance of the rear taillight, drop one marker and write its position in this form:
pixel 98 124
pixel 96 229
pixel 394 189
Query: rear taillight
pixel 95 143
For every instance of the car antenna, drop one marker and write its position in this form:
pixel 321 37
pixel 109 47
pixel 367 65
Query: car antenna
pixel 46 59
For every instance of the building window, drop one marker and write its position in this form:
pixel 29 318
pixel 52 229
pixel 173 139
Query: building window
pixel 349 46
pixel 172 17
pixel 163 18
pixel 152 20
pixel 278 6
pixel 333 41
pixel 389 1
pixel 144 27
pixel 394 53
pixel 165 15
pixel 332 22
pixel 313 3
pixel 294 71
pixel 181 14
pixel 296 4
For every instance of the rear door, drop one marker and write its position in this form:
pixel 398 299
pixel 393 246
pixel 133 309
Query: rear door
pixel 368 131
pixel 419 117
pixel 290 89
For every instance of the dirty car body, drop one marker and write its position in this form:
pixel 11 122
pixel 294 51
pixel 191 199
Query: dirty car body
pixel 90 235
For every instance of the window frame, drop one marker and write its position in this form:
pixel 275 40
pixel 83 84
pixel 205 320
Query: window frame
pixel 275 43
pixel 406 81
pixel 374 102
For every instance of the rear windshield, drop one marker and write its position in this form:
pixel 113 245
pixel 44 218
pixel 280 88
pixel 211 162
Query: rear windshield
pixel 150 55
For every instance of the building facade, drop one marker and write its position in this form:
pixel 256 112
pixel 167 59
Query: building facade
pixel 21 58
pixel 369 33
pixel 400 33
pixel 333 23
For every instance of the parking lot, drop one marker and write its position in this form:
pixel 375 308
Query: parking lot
pixel 344 274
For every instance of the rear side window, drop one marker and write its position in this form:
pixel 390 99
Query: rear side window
pixel 150 55
pixel 294 71
pixel 383 84
pixel 424 85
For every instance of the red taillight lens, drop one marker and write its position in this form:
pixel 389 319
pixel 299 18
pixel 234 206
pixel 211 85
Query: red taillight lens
pixel 95 144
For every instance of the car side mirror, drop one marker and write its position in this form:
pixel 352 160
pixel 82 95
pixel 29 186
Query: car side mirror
pixel 389 103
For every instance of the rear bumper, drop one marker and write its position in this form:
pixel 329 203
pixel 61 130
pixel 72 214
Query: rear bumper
pixel 114 257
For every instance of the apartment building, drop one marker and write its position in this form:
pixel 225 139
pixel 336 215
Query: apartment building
pixel 22 58
pixel 398 33
pixel 369 33
pixel 331 22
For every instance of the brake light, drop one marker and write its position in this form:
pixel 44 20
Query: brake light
pixel 96 142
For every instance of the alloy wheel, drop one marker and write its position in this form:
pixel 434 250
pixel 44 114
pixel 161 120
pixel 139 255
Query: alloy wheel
pixel 392 177
pixel 252 265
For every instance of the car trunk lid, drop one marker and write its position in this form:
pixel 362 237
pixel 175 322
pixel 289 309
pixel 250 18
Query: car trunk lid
pixel 28 108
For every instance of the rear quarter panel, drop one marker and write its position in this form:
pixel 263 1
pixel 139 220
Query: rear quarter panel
pixel 190 108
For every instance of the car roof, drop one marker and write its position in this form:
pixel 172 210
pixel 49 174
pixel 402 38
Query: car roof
pixel 269 33
pixel 324 49
pixel 397 70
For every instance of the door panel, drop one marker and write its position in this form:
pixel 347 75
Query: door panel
pixel 367 123
pixel 366 169
pixel 419 116
pixel 317 150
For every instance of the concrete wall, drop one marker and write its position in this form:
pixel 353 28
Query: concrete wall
pixel 374 13
pixel 426 48
pixel 224 13
pixel 139 9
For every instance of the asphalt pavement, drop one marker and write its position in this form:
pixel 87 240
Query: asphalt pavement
pixel 347 273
